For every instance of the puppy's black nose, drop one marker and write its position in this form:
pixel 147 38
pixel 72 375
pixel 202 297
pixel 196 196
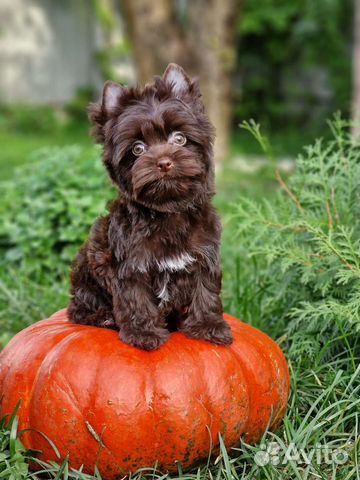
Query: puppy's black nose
pixel 164 164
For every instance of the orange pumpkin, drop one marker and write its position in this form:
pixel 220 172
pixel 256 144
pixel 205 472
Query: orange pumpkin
pixel 98 398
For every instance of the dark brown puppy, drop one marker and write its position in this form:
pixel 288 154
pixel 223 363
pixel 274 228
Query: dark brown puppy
pixel 152 264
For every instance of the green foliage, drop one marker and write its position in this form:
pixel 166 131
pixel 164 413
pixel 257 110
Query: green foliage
pixel 306 245
pixel 115 49
pixel 27 119
pixel 294 61
pixel 13 455
pixel 25 128
pixel 49 208
pixel 47 211
pixel 24 299
pixel 76 107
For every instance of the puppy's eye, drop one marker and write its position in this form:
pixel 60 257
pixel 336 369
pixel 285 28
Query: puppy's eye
pixel 177 138
pixel 138 148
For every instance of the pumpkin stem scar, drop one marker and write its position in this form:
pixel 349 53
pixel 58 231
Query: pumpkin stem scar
pixel 95 435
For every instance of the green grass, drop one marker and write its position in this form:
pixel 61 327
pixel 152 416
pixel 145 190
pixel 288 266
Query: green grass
pixel 16 148
pixel 322 416
pixel 284 143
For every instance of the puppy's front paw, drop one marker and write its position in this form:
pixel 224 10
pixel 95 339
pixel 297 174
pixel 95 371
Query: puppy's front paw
pixel 219 334
pixel 150 340
pixel 214 332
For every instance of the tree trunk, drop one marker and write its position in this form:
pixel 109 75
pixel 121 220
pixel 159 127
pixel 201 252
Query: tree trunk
pixel 154 35
pixel 204 46
pixel 356 71
pixel 212 27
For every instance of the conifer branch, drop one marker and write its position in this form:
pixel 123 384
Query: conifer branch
pixel 287 190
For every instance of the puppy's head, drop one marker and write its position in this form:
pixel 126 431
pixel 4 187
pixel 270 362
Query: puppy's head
pixel 157 141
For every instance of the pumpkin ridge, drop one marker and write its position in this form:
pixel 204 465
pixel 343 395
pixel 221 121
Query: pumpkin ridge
pixel 196 362
pixel 201 360
pixel 18 339
pixel 24 406
pixel 37 375
pixel 150 378
pixel 276 351
pixel 272 356
pixel 156 398
pixel 70 395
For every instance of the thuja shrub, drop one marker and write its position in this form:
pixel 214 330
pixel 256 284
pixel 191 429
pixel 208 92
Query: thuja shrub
pixel 306 241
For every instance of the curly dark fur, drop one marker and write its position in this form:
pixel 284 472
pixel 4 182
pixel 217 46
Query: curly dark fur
pixel 152 264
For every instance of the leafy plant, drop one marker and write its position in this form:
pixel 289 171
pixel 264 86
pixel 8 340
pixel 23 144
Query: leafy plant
pixel 306 244
pixel 47 215
pixel 295 61
pixel 46 212
pixel 27 119
pixel 115 49
pixel 13 455
pixel 76 107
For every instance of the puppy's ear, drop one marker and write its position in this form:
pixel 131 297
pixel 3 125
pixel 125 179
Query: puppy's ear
pixel 176 77
pixel 99 113
pixel 112 92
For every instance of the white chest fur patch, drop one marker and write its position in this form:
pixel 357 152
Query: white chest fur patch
pixel 169 264
pixel 174 264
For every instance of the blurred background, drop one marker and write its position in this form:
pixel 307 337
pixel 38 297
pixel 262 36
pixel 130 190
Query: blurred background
pixel 287 64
